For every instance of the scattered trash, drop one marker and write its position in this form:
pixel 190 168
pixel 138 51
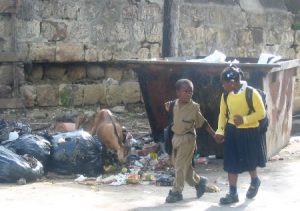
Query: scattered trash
pixel 110 168
pixel 275 158
pixel 210 188
pixel 13 136
pixel 81 178
pixel 201 160
pixel 132 157
pixel 133 179
pixel 118 109
pixel 21 181
pixel 165 180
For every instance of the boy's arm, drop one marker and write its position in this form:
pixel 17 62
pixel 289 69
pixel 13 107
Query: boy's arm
pixel 209 129
pixel 169 106
pixel 201 122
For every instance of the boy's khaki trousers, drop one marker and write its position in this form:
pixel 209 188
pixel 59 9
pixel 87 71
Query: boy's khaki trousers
pixel 182 155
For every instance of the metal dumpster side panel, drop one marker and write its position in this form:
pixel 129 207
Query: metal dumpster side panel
pixel 279 87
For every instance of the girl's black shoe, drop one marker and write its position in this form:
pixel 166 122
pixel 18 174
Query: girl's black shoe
pixel 252 190
pixel 229 199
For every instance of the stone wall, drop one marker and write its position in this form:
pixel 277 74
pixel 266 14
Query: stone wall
pixel 244 29
pixel 79 85
pixel 89 30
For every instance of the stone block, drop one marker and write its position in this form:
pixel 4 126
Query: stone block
pixel 28 93
pixel 78 94
pixel 143 53
pixel 36 74
pixel 66 10
pixel 23 51
pixel 131 92
pixel 139 31
pixel 7 6
pixel 257 20
pixel 79 31
pixel 5 91
pixel 5 26
pixel 6 75
pixel 113 92
pixel 76 73
pixel 93 94
pixel 42 52
pixel 154 32
pixel 155 51
pixel 90 54
pixel 5 44
pixel 69 52
pixel 113 73
pixel 71 95
pixel 28 30
pixel 55 72
pixel 297 38
pixel 19 74
pixel 47 95
pixel 95 72
pixel 257 35
pixel 119 33
pixel 53 31
pixel 129 75
pixel 66 94
pixel 151 13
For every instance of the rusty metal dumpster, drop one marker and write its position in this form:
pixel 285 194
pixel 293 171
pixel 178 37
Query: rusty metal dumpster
pixel 157 79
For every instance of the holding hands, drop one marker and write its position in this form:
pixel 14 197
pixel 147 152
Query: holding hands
pixel 219 138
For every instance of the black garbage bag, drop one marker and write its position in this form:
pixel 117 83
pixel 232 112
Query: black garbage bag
pixel 76 152
pixel 33 145
pixel 14 167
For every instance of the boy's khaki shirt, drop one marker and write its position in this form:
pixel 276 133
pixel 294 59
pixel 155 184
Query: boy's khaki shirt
pixel 186 118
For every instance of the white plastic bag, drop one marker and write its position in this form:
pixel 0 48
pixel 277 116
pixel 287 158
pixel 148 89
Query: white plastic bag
pixel 266 58
pixel 215 57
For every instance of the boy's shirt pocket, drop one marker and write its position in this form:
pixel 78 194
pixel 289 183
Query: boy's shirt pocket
pixel 188 123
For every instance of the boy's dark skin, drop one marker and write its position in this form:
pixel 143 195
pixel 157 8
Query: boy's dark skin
pixel 184 95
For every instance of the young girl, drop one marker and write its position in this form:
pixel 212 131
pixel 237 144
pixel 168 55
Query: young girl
pixel 243 150
pixel 186 117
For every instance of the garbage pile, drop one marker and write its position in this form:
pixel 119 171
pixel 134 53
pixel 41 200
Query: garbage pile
pixel 27 157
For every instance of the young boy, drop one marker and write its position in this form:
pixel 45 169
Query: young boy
pixel 187 117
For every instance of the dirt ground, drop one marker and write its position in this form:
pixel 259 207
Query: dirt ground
pixel 279 190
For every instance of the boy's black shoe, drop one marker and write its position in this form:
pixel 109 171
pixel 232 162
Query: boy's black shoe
pixel 229 199
pixel 201 187
pixel 252 190
pixel 173 197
